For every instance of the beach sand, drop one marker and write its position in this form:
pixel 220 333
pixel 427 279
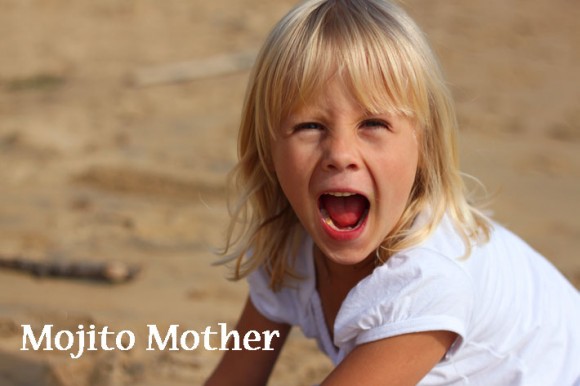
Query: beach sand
pixel 96 167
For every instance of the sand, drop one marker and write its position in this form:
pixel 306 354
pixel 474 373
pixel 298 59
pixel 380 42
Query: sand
pixel 95 168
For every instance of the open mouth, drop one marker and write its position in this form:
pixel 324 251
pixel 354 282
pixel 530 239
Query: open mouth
pixel 343 211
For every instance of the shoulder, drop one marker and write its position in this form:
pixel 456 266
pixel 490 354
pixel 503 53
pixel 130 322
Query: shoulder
pixel 286 304
pixel 424 288
pixel 411 286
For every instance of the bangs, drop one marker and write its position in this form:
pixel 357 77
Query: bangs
pixel 363 45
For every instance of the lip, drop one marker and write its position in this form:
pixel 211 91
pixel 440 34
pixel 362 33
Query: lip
pixel 343 235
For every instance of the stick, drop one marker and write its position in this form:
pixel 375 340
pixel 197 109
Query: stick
pixel 194 69
pixel 111 272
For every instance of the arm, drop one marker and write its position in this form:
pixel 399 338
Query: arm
pixel 250 367
pixel 400 360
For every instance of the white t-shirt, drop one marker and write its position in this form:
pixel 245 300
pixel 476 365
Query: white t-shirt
pixel 517 318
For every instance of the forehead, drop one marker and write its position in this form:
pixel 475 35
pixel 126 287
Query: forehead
pixel 367 95
pixel 374 57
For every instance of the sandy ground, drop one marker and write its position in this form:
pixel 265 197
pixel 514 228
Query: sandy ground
pixel 94 168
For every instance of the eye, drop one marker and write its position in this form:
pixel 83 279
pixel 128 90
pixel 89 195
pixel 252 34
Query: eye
pixel 308 126
pixel 376 124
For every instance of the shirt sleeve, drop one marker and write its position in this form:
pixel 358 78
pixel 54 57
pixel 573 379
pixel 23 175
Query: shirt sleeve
pixel 276 306
pixel 417 292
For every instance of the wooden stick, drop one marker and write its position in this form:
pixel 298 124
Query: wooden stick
pixel 194 69
pixel 111 272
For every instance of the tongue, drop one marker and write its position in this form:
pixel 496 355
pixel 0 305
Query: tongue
pixel 344 211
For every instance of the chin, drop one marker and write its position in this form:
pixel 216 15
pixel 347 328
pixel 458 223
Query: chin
pixel 348 256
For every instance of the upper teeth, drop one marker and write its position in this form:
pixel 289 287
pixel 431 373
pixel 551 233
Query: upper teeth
pixel 341 194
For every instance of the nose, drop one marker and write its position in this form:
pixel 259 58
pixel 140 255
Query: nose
pixel 341 153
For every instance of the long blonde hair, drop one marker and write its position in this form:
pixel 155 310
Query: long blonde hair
pixel 385 59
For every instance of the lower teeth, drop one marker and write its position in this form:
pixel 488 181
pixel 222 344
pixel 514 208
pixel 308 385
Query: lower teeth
pixel 329 222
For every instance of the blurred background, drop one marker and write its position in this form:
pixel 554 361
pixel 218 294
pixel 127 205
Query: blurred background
pixel 118 124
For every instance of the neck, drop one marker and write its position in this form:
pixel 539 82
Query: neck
pixel 334 282
pixel 340 273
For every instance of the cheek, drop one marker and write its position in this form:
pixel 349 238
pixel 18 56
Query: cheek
pixel 292 160
pixel 281 163
pixel 413 155
pixel 286 163
pixel 277 155
pixel 408 175
pixel 402 169
pixel 403 179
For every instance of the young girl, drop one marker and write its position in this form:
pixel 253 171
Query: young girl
pixel 353 222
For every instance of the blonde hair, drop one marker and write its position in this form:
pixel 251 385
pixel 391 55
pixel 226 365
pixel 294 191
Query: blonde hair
pixel 383 56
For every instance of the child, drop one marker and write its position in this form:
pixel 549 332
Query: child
pixel 353 223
